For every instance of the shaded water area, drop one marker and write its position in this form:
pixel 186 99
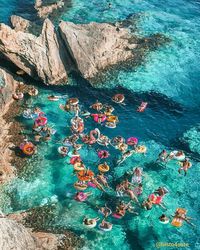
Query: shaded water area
pixel 169 81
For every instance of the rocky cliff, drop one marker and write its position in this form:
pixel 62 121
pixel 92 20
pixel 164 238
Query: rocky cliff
pixel 90 49
pixel 44 8
pixel 14 235
pixel 7 88
pixel 96 46
pixel 39 56
pixel 19 23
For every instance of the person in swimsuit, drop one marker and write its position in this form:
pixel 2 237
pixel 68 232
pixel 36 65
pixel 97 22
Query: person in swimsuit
pixel 163 156
pixel 185 166
pixel 163 218
pixel 125 156
pixel 101 178
pixel 147 204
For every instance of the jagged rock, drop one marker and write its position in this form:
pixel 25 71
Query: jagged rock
pixel 19 23
pixel 96 46
pixel 45 10
pixel 7 88
pixel 14 235
pixel 39 56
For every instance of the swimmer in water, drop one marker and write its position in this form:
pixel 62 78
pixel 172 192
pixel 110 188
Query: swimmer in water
pixel 163 156
pixel 164 219
pixel 102 179
pixel 147 204
pixel 125 155
pixel 185 165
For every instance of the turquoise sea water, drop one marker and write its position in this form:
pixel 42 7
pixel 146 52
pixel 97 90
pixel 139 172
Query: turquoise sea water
pixel 169 81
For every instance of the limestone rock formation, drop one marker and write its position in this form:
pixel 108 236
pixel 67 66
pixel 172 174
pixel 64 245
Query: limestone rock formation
pixel 19 23
pixel 7 88
pixel 45 9
pixel 96 46
pixel 39 56
pixel 14 235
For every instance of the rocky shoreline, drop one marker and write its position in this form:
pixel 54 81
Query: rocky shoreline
pixel 50 56
pixel 89 49
pixel 18 230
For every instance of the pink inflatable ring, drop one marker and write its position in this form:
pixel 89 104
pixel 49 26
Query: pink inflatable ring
pixel 132 141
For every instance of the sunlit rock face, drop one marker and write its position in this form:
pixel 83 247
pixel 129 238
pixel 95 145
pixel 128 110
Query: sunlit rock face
pixel 39 56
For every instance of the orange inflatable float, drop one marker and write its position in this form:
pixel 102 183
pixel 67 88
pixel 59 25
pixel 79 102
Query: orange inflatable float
pixel 85 175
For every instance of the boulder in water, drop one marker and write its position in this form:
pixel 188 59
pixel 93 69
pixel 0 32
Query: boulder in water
pixel 97 46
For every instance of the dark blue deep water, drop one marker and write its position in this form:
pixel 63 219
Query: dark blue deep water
pixel 169 81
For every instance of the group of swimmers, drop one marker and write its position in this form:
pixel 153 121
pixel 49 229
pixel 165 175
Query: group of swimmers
pixel 131 186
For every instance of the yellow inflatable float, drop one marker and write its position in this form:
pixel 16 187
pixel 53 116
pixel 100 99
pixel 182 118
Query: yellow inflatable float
pixel 141 149
pixel 103 167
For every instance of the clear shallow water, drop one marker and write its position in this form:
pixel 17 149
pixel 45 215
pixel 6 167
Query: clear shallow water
pixel 169 81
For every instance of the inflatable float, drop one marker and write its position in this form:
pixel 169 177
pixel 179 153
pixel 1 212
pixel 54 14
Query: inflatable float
pixel 177 220
pixel 27 148
pixel 18 96
pixel 118 98
pixel 142 107
pixel 103 213
pixel 81 196
pixel 41 121
pixel 112 118
pixel 73 101
pixel 33 92
pixel 28 114
pixel 117 216
pixel 92 225
pixel 80 186
pixel 79 166
pixel 106 229
pixel 110 125
pixel 99 118
pixel 53 98
pixel 132 141
pixel 141 149
pixel 103 154
pixel 75 159
pixel 155 199
pixel 175 155
pixel 63 150
pixel 103 168
pixel 85 175
pixel 97 106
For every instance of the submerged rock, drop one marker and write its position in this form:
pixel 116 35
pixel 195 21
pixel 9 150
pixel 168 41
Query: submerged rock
pixel 39 56
pixel 96 46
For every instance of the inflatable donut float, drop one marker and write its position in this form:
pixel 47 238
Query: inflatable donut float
pixel 73 101
pixel 41 121
pixel 118 98
pixel 103 168
pixel 28 148
pixel 131 141
pixel 141 149
pixel 80 186
pixel 18 96
pixel 85 175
